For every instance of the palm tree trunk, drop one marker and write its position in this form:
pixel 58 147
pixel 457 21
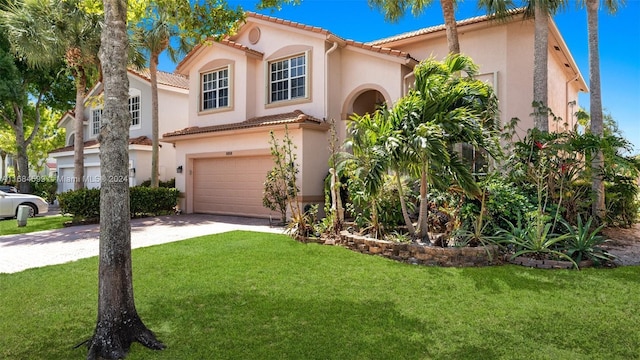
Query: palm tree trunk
pixel 448 12
pixel 118 324
pixel 595 105
pixel 403 206
pixel 423 217
pixel 78 130
pixel 3 155
pixel 540 72
pixel 153 72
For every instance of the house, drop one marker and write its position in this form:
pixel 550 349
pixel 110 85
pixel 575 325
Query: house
pixel 275 73
pixel 173 92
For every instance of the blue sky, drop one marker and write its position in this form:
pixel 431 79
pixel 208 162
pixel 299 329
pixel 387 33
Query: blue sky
pixel 619 43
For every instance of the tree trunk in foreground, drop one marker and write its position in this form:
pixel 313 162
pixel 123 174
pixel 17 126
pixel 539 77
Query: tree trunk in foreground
pixel 78 130
pixel 118 324
pixel 595 109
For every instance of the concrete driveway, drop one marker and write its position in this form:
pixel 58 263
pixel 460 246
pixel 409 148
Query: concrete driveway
pixel 20 252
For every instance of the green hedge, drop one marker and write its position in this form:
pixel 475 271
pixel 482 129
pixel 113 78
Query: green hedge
pixel 85 203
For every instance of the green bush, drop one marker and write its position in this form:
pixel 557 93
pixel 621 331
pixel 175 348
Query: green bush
pixel 152 201
pixel 85 203
pixel 45 187
pixel 171 183
pixel 82 204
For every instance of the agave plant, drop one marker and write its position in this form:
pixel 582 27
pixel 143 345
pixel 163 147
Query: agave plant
pixel 534 238
pixel 583 244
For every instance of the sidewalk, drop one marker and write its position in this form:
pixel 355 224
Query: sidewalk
pixel 25 251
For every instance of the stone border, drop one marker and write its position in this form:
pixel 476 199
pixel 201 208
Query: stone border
pixel 547 264
pixel 419 254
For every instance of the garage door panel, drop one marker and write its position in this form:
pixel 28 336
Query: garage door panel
pixel 231 185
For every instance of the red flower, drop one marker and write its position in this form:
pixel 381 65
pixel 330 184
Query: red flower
pixel 540 145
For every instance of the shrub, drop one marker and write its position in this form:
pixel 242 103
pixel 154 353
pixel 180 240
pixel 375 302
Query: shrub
pixel 82 204
pixel 85 203
pixel 171 183
pixel 45 187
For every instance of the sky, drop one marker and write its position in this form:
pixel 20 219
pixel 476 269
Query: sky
pixel 619 43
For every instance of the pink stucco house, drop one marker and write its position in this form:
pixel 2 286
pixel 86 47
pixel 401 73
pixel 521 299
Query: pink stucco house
pixel 275 72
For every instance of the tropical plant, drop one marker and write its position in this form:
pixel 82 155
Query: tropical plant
pixel 533 238
pixel 367 164
pixel 447 107
pixel 582 243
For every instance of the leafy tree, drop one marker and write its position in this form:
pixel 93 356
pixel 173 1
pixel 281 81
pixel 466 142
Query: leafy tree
pixel 59 30
pixel 395 9
pixel 24 92
pixel 49 138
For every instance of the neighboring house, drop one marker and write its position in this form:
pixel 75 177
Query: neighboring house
pixel 172 106
pixel 275 73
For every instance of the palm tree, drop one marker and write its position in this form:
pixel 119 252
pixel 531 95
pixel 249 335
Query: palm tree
pixel 446 108
pixel 368 161
pixel 595 102
pixel 118 323
pixel 539 10
pixel 153 35
pixel 394 9
pixel 43 32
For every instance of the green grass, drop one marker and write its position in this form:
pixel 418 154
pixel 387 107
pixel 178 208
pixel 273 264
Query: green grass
pixel 245 295
pixel 10 226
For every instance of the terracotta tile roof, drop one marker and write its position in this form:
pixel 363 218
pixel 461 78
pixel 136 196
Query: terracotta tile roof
pixel 380 49
pixel 437 28
pixel 225 41
pixel 294 117
pixel 140 140
pixel 239 46
pixel 294 24
pixel 164 78
pixel 361 45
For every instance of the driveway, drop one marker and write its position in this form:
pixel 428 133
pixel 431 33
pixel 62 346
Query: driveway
pixel 25 251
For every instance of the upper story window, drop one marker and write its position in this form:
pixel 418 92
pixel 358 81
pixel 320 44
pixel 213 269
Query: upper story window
pixel 288 78
pixel 215 89
pixel 134 110
pixel 96 117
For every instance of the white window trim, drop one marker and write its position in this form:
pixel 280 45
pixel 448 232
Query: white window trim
pixel 307 83
pixel 229 106
pixel 95 131
pixel 139 124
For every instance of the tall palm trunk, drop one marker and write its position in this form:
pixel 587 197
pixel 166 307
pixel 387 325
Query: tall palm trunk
pixel 118 324
pixel 595 105
pixel 448 12
pixel 423 217
pixel 78 130
pixel 540 72
pixel 155 146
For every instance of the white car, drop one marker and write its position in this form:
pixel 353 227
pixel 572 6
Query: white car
pixel 9 203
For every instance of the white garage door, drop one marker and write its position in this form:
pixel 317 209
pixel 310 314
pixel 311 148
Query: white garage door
pixel 231 186
pixel 92 177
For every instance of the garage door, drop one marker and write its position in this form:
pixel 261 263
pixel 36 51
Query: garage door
pixel 231 186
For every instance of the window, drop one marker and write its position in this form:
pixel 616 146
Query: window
pixel 215 89
pixel 288 78
pixel 96 116
pixel 476 158
pixel 134 110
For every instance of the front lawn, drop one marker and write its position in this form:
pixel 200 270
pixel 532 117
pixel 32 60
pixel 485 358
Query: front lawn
pixel 10 226
pixel 244 295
